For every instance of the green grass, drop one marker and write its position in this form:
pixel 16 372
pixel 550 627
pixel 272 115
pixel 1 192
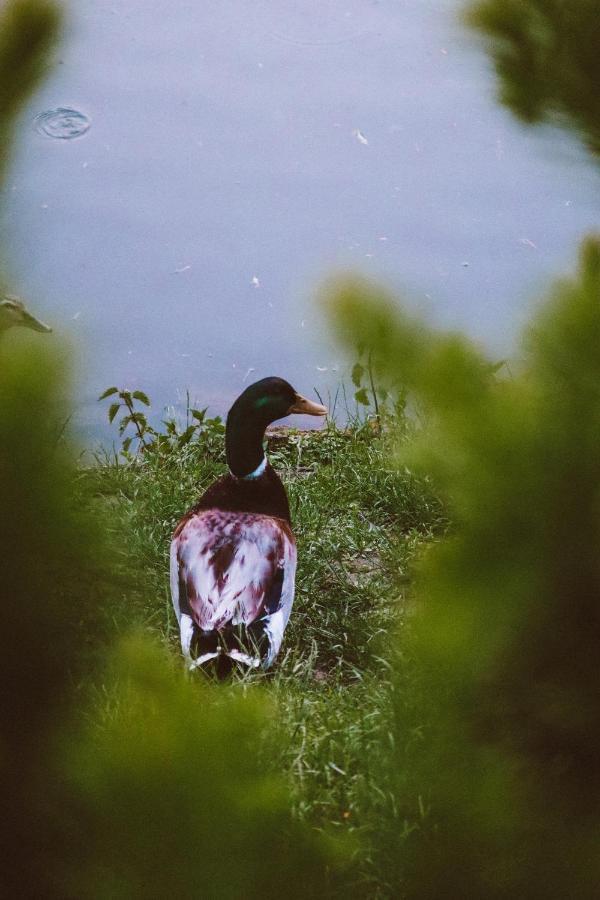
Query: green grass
pixel 358 523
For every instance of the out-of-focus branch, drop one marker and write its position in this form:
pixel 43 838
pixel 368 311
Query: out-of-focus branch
pixel 547 56
pixel 28 29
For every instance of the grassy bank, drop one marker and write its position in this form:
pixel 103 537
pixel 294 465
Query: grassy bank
pixel 359 523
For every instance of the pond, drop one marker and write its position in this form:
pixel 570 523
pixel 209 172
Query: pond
pixel 189 173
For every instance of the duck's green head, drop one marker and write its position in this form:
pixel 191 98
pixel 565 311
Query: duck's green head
pixel 13 312
pixel 261 403
pixel 273 398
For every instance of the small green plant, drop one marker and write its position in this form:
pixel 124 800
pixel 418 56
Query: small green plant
pixel 143 436
pixel 385 399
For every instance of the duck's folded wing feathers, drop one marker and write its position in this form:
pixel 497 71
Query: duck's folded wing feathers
pixel 230 570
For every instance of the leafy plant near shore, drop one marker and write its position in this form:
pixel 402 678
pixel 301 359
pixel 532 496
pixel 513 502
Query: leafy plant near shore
pixel 144 437
pixel 386 400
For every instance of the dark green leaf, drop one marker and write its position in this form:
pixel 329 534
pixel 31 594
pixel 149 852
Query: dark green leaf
pixel 142 397
pixel 114 409
pixel 108 393
pixel 124 423
pixel 186 436
pixel 357 374
pixel 361 397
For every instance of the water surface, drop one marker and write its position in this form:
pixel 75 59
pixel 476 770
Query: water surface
pixel 237 152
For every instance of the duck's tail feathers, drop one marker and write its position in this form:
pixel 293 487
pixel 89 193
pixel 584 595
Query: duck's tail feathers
pixel 244 645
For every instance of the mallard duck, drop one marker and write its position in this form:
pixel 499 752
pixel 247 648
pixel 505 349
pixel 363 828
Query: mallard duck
pixel 233 555
pixel 13 312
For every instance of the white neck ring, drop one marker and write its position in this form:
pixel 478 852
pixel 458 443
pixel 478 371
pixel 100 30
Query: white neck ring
pixel 257 472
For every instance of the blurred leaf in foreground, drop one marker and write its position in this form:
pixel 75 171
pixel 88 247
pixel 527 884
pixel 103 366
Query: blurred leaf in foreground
pixel 50 559
pixel 177 799
pixel 547 55
pixel 499 747
pixel 28 29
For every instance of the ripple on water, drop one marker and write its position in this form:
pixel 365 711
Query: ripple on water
pixel 63 123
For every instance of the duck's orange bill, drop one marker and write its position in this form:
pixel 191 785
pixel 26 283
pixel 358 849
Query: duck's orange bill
pixel 307 407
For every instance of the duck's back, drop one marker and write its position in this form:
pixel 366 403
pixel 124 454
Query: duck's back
pixel 265 495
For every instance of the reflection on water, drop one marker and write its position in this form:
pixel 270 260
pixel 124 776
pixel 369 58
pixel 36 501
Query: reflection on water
pixel 242 150
pixel 62 123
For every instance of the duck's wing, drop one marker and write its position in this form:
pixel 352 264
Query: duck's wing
pixel 232 582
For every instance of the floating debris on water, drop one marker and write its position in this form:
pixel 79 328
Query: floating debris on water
pixel 181 269
pixel 255 282
pixel 529 243
pixel 63 123
pixel 360 136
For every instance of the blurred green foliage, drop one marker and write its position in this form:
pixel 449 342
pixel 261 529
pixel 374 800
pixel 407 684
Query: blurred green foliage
pixel 176 798
pixel 28 29
pixel 547 55
pixel 44 563
pixel 498 746
pixel 37 539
